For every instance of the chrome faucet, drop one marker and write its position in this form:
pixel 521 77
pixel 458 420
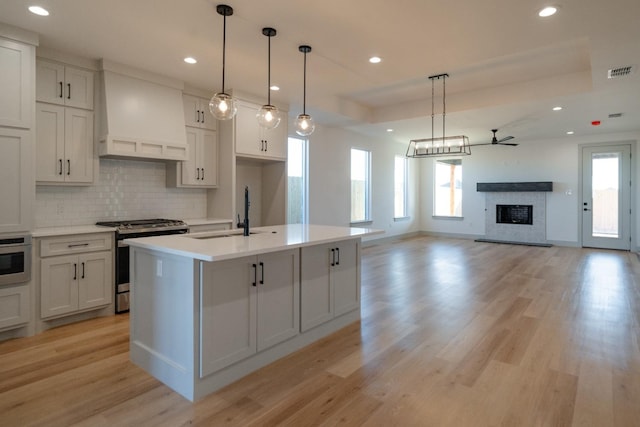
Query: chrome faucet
pixel 245 224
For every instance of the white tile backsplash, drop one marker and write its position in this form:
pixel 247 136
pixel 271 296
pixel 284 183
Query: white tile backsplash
pixel 125 189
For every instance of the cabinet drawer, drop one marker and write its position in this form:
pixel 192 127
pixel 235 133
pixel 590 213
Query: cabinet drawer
pixel 64 245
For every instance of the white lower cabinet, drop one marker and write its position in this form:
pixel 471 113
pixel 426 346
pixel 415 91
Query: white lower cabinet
pixel 14 306
pixel 330 282
pixel 76 280
pixel 247 305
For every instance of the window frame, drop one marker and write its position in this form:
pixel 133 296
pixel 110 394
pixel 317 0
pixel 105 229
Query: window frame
pixel 367 187
pixel 405 187
pixel 435 187
pixel 305 178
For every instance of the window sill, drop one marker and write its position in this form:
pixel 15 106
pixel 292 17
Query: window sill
pixel 452 218
pixel 401 218
pixel 364 222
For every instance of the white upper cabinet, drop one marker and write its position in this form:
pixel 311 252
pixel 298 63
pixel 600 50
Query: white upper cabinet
pixel 251 140
pixel 64 145
pixel 196 113
pixel 16 87
pixel 64 85
pixel 16 180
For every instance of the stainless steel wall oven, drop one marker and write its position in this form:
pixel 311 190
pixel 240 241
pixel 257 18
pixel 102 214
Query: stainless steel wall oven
pixel 15 259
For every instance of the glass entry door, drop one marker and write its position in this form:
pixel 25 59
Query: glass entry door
pixel 606 197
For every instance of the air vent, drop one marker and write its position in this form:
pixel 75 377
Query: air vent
pixel 615 115
pixel 614 73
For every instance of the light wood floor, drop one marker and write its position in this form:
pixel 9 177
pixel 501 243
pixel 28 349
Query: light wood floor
pixel 453 333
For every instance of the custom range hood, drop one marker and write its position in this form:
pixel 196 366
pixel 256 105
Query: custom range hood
pixel 142 115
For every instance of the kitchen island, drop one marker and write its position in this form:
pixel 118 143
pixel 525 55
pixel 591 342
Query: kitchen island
pixel 209 308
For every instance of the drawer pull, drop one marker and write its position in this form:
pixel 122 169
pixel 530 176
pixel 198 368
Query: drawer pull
pixel 78 245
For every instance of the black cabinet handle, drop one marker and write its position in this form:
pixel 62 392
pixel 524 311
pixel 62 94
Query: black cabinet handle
pixel 266 145
pixel 202 116
pixel 255 274
pixel 262 273
pixel 82 270
pixel 60 173
pixel 202 174
pixel 61 90
pixel 338 252
pixel 333 257
pixel 197 116
pixel 68 90
pixel 68 167
pixel 197 174
pixel 75 271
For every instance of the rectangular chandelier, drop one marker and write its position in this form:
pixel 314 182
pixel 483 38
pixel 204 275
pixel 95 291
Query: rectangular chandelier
pixel 444 146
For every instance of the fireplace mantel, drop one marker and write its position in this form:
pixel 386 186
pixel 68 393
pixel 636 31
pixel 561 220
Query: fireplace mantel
pixel 514 186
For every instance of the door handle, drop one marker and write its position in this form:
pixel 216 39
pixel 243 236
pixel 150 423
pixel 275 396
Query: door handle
pixel 255 274
pixel 261 273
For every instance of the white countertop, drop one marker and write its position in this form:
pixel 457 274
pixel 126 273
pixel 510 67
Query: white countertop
pixel 266 239
pixel 72 229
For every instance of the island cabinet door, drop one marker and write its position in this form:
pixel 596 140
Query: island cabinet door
pixel 227 313
pixel 346 277
pixel 278 297
pixel 316 292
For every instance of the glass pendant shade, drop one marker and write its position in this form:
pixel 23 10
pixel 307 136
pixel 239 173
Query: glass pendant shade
pixel 305 125
pixel 223 106
pixel 269 116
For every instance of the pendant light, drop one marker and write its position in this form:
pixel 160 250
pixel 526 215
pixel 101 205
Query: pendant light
pixel 439 146
pixel 268 116
pixel 304 123
pixel 222 105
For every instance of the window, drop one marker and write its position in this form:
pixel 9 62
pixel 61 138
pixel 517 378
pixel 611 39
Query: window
pixel 447 190
pixel 297 181
pixel 360 183
pixel 400 187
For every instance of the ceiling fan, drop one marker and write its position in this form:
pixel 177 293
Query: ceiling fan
pixel 496 141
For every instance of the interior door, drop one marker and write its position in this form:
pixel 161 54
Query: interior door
pixel 606 197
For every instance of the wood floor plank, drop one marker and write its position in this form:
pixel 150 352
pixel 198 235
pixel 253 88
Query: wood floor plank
pixel 453 333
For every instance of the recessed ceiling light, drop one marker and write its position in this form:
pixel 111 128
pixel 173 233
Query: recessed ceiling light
pixel 547 11
pixel 557 108
pixel 190 60
pixel 39 10
pixel 570 132
pixel 375 59
pixel 389 130
pixel 274 87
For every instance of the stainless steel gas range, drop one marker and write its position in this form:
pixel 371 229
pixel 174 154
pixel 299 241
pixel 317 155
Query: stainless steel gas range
pixel 130 230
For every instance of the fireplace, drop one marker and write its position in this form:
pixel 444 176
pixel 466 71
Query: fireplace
pixel 514 214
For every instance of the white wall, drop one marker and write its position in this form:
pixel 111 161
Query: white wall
pixel 555 160
pixel 330 180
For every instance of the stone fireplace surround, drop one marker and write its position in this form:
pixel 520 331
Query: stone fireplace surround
pixel 516 193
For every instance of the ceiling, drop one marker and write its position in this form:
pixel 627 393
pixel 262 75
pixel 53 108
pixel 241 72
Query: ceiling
pixel 507 67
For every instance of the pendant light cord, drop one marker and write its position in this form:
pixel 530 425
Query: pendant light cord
pixel 224 47
pixel 304 87
pixel 432 109
pixel 269 71
pixel 444 107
